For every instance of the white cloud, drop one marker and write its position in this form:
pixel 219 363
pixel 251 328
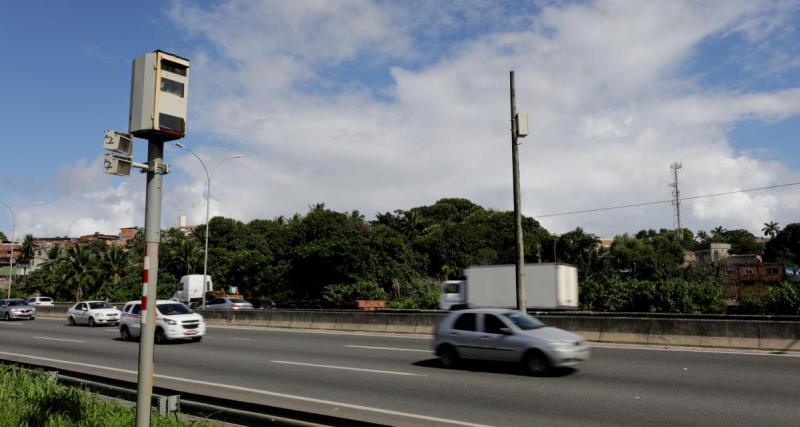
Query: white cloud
pixel 604 83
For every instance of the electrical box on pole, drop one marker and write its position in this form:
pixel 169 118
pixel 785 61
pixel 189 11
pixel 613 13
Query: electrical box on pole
pixel 159 96
pixel 522 125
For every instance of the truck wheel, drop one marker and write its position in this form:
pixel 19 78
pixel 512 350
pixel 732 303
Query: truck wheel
pixel 535 363
pixel 448 357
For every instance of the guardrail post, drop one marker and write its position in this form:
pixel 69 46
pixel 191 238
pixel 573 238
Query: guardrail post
pixel 169 404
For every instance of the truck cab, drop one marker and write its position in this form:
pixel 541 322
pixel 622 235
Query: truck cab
pixel 453 294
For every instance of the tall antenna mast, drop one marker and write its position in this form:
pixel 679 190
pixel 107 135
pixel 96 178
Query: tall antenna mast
pixel 676 199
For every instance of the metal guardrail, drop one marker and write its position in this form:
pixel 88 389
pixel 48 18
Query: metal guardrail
pixel 203 406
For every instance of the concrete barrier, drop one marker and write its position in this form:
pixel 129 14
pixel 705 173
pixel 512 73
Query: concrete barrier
pixel 718 331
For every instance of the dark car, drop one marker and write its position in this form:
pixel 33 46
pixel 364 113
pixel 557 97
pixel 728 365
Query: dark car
pixel 264 304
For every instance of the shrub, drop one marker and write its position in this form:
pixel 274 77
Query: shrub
pixel 662 296
pixel 422 293
pixel 362 289
pixel 32 398
pixel 780 299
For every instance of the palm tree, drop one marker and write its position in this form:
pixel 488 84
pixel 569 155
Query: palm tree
pixel 718 233
pixel 771 229
pixel 702 236
pixel 27 252
pixel 113 263
pixel 81 270
pixel 187 256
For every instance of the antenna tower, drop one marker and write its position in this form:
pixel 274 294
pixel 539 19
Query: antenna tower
pixel 676 199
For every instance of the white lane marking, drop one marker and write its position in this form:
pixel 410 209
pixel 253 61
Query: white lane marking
pixel 261 392
pixel 369 347
pixel 347 368
pixel 56 339
pixel 241 339
pixel 656 347
pixel 6 322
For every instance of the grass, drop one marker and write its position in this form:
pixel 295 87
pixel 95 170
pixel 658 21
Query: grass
pixel 34 399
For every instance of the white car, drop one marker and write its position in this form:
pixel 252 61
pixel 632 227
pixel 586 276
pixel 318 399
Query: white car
pixel 93 313
pixel 174 320
pixel 40 301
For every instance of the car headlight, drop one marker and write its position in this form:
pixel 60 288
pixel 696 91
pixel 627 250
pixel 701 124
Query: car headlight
pixel 564 345
pixel 171 322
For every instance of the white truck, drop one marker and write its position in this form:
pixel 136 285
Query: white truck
pixel 547 286
pixel 191 292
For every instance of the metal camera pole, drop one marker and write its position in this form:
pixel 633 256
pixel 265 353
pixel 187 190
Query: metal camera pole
pixel 152 237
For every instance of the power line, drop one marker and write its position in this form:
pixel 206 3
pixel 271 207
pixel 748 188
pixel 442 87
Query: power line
pixel 658 202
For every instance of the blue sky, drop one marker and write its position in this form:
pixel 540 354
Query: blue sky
pixel 383 105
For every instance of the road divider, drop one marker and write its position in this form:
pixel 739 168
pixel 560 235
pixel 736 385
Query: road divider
pixel 715 331
pixel 348 368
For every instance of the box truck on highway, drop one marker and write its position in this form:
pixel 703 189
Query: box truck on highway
pixel 547 286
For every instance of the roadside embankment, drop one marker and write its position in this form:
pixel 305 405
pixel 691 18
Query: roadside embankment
pixel 740 332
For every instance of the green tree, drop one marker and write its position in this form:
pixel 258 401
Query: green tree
pixel 27 251
pixel 771 229
pixel 81 270
pixel 785 246
pixel 3 237
pixel 743 242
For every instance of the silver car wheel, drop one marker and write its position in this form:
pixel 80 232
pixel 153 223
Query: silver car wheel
pixel 535 363
pixel 448 357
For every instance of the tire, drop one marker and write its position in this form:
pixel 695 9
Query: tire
pixel 535 363
pixel 92 324
pixel 71 321
pixel 448 357
pixel 8 317
pixel 124 333
pixel 197 339
pixel 33 318
pixel 161 337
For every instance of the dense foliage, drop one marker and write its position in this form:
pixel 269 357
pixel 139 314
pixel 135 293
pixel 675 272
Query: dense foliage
pixel 400 256
pixel 33 398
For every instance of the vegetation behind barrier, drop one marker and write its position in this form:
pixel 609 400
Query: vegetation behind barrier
pixel 327 255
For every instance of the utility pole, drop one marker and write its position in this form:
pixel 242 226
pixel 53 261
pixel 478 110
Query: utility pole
pixel 676 199
pixel 519 128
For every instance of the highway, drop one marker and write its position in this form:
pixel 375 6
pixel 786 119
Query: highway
pixel 395 380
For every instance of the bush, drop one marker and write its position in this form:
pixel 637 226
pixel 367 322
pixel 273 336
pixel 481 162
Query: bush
pixel 780 299
pixel 662 296
pixel 362 289
pixel 32 398
pixel 422 293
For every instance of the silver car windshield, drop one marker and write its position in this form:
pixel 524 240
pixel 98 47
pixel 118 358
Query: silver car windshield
pixel 523 321
pixel 14 303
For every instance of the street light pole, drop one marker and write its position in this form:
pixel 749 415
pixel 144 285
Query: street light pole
pixel 11 257
pixel 208 205
pixel 13 238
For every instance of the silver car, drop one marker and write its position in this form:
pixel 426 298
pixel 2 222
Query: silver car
pixel 229 304
pixel 507 336
pixel 16 309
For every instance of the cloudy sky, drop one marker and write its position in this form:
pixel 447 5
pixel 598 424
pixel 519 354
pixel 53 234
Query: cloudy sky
pixel 377 106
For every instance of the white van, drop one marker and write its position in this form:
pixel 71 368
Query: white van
pixel 174 320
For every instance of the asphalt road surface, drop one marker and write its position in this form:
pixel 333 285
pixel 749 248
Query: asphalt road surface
pixel 395 379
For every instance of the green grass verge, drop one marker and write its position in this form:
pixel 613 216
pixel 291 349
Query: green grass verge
pixel 32 398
